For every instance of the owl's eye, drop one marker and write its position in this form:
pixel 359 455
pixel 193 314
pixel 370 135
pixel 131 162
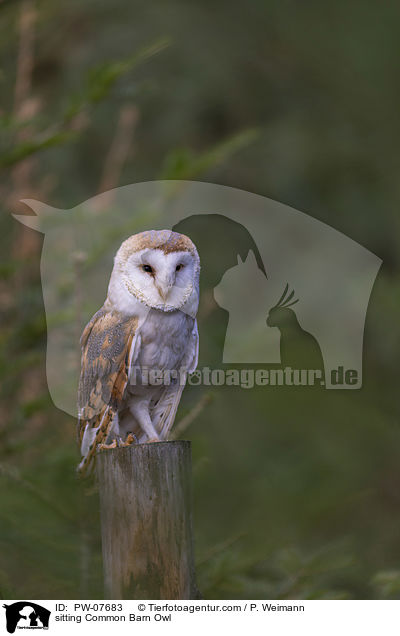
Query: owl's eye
pixel 148 269
pixel 178 267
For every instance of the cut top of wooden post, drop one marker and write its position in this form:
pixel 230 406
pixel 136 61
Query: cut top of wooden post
pixel 146 520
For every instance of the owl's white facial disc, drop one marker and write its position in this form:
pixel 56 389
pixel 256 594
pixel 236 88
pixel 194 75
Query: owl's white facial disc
pixel 161 281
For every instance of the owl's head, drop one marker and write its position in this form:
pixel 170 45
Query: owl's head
pixel 158 268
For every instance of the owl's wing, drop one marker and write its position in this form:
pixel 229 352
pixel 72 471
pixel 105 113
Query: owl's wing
pixel 110 344
pixel 164 411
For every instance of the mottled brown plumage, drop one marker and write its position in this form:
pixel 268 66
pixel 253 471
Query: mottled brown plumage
pixel 106 342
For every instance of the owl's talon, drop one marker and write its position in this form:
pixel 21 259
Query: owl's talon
pixel 113 444
pixel 153 440
pixel 130 439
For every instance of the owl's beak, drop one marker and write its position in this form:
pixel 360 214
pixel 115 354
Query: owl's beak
pixel 163 288
pixel 163 293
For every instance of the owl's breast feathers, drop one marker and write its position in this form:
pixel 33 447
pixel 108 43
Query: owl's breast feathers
pixel 106 345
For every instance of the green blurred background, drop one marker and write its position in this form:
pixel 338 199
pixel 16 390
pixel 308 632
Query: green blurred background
pixel 296 491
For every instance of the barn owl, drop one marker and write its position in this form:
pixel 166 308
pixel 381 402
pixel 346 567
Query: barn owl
pixel 148 322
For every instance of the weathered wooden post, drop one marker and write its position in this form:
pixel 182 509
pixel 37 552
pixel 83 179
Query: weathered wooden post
pixel 146 521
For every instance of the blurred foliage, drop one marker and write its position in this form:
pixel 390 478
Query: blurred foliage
pixel 295 492
pixel 98 85
pixel 183 163
pixel 102 79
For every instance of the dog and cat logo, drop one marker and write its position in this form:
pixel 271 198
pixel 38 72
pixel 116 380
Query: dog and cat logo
pixel 26 615
pixel 278 287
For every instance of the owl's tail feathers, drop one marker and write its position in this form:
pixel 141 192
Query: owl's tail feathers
pixel 85 467
pixel 92 436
